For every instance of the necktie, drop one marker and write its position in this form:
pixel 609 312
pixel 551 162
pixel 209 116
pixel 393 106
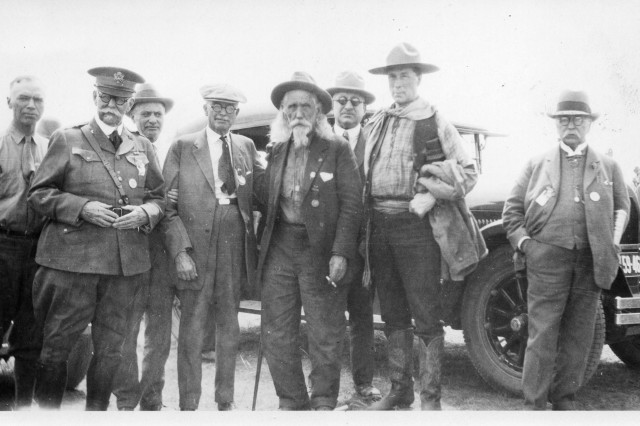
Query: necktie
pixel 28 159
pixel 115 139
pixel 225 169
pixel 346 135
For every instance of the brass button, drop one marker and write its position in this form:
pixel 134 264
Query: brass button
pixel 315 203
pixel 119 201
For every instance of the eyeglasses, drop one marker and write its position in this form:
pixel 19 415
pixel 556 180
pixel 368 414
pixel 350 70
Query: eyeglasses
pixel 106 98
pixel 342 100
pixel 230 109
pixel 564 120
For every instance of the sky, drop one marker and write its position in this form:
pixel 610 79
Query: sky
pixel 502 63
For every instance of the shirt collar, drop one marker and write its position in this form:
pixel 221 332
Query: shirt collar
pixel 212 136
pixel 106 129
pixel 16 134
pixel 570 152
pixel 354 132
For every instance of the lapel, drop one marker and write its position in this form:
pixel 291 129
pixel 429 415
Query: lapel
pixel 591 167
pixel 359 149
pixel 553 168
pixel 314 162
pixel 101 138
pixel 127 142
pixel 203 158
pixel 279 155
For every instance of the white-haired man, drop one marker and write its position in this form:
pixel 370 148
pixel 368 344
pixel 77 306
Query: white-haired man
pixel 313 218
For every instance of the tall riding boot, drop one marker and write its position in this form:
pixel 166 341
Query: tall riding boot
pixel 24 372
pixel 51 380
pixel 431 351
pixel 400 368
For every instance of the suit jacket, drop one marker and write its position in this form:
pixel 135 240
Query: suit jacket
pixel 524 216
pixel 189 225
pixel 332 207
pixel 71 175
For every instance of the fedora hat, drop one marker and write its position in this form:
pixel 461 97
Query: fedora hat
pixel 573 103
pixel 147 93
pixel 301 80
pixel 404 55
pixel 351 81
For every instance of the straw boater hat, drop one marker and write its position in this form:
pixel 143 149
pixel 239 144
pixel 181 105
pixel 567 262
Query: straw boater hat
pixel 116 81
pixel 573 103
pixel 350 81
pixel 402 56
pixel 222 92
pixel 301 80
pixel 147 93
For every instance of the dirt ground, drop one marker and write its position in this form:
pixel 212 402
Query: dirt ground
pixel 614 386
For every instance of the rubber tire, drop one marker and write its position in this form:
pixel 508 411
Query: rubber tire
pixel 501 376
pixel 628 351
pixel 79 359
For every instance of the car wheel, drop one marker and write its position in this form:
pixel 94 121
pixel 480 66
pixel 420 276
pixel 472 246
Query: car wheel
pixel 494 320
pixel 628 351
pixel 79 359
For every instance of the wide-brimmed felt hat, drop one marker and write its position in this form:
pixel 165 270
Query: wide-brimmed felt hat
pixel 573 103
pixel 222 92
pixel 147 93
pixel 301 80
pixel 404 55
pixel 116 81
pixel 351 81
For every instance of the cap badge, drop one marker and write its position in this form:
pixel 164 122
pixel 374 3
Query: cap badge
pixel 119 78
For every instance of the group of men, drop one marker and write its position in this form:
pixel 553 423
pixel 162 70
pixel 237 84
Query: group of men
pixel 347 210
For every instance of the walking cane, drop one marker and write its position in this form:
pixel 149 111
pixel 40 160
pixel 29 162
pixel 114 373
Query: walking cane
pixel 258 369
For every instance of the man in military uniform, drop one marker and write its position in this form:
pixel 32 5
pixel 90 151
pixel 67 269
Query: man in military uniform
pixel 148 109
pixel 209 235
pixel 21 151
pixel 350 102
pixel 102 189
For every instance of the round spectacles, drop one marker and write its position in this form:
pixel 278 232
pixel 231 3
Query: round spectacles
pixel 564 120
pixel 230 109
pixel 342 100
pixel 106 98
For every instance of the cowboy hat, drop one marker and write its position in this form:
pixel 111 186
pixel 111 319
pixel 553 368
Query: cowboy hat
pixel 404 55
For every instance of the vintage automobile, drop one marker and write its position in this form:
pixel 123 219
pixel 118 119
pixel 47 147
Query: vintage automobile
pixel 492 312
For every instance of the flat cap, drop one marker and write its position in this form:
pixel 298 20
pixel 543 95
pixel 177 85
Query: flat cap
pixel 223 92
pixel 116 81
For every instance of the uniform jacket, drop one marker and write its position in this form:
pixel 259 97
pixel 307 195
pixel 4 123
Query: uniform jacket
pixel 189 225
pixel 71 175
pixel 524 216
pixel 332 207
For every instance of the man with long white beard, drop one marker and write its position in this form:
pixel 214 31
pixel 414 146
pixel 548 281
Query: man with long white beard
pixel 310 238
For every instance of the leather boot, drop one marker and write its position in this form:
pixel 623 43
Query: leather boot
pixel 24 372
pixel 400 369
pixel 431 351
pixel 51 380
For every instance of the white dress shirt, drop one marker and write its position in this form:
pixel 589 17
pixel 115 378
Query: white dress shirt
pixel 353 133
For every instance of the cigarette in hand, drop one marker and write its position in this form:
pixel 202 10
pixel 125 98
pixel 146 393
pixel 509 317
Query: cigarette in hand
pixel 331 281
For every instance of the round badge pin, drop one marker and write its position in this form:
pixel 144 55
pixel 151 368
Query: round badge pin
pixel 133 183
pixel 312 175
pixel 594 196
pixel 315 203
pixel 242 180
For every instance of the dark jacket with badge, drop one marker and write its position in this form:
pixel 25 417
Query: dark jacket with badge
pixel 189 224
pixel 70 176
pixel 534 196
pixel 332 206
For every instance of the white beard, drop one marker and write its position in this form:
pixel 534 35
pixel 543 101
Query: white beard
pixel 301 136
